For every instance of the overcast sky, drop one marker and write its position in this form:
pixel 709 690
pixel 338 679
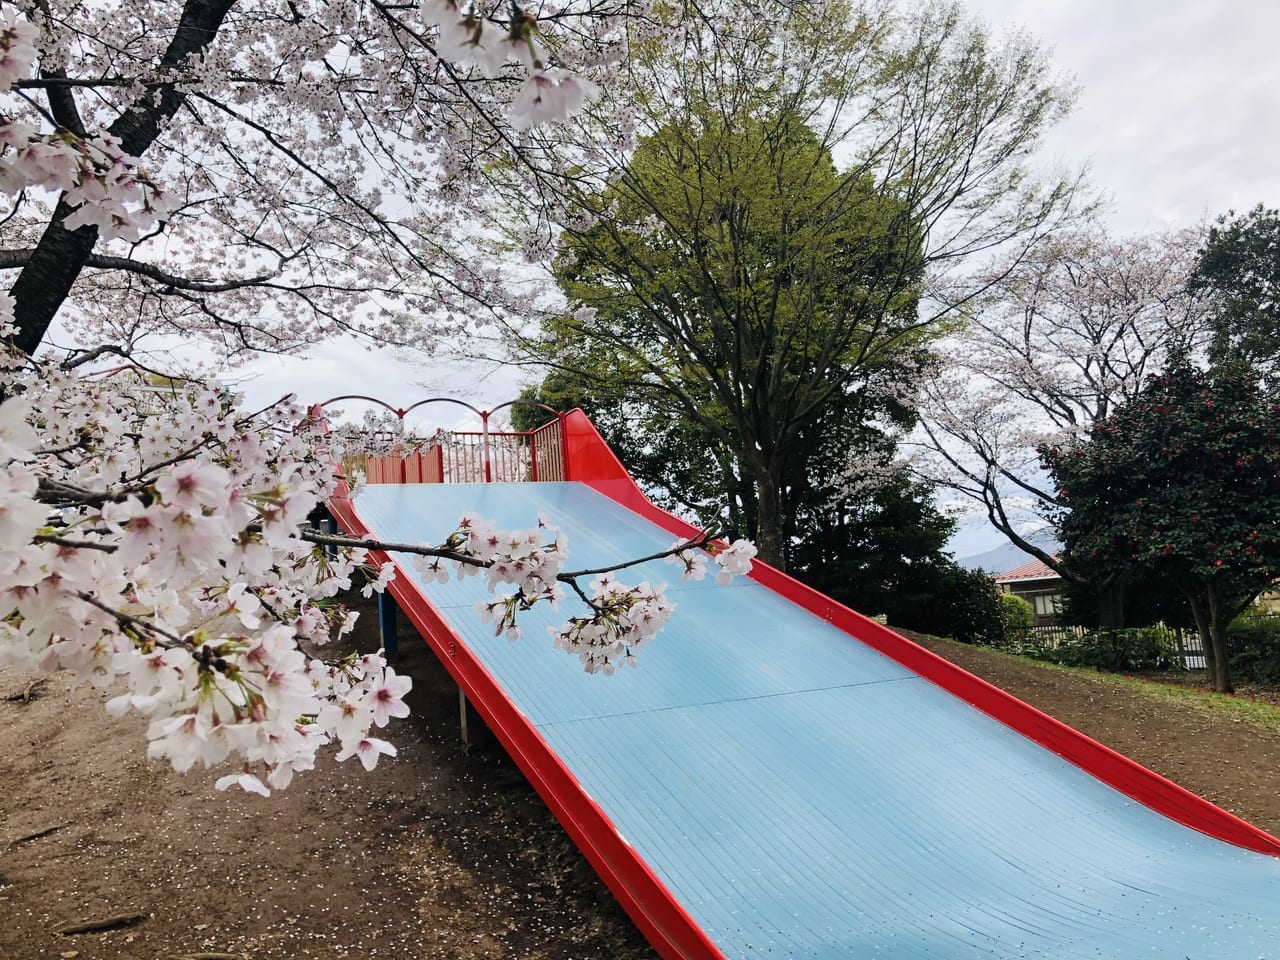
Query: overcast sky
pixel 1178 114
pixel 1178 118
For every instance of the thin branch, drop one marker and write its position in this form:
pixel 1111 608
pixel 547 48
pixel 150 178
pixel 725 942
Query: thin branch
pixel 78 544
pixel 698 542
pixel 54 492
pixel 103 262
pixel 127 620
pixel 446 553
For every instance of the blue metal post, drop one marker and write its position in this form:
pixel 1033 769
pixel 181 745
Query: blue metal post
pixel 331 526
pixel 387 625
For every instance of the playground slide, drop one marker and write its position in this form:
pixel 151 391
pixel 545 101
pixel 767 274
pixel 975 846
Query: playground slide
pixel 781 778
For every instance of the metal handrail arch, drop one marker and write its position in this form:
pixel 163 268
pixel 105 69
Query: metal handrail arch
pixel 484 415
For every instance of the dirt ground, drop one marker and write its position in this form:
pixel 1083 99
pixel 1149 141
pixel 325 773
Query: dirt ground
pixel 439 853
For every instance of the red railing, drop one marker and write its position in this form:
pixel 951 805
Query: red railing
pixel 483 456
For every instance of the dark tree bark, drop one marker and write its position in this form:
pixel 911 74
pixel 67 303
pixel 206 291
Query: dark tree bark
pixel 55 263
pixel 1213 613
pixel 1111 604
pixel 770 539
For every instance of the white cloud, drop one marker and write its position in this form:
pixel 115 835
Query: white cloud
pixel 1177 113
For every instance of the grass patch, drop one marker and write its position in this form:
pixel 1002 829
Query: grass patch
pixel 1239 708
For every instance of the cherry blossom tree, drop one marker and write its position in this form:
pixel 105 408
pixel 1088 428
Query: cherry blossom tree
pixel 1065 335
pixel 302 168
pixel 151 538
pixel 150 530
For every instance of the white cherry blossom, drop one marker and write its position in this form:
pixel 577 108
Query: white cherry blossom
pixel 735 560
pixel 385 700
pixel 18 39
pixel 150 538
pixel 367 749
pixel 550 95
pixel 143 549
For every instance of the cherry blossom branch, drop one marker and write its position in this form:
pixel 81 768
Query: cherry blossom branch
pixel 100 261
pixel 60 493
pixel 702 541
pixel 77 544
pixel 576 587
pixel 447 553
pixel 136 623
pixel 52 82
pixel 79 359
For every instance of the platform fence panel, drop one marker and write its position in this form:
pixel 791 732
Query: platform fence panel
pixel 465 456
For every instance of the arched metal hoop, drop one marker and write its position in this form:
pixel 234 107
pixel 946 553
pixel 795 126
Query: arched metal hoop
pixel 552 432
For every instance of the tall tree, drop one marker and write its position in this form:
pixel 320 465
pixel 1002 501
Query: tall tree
pixel 1239 265
pixel 737 269
pixel 1060 339
pixel 1181 482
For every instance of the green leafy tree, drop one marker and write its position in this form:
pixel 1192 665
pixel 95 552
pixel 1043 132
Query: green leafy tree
pixel 1017 617
pixel 1239 265
pixel 735 269
pixel 1183 483
pixel 762 317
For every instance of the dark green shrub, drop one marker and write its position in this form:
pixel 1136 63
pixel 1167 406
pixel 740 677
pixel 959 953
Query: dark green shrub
pixel 951 602
pixel 1254 640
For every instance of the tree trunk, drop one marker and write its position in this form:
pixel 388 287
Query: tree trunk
pixel 45 281
pixel 1201 616
pixel 1219 618
pixel 1208 609
pixel 1111 604
pixel 770 537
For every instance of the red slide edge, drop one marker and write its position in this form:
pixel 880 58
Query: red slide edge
pixel 594 464
pixel 664 922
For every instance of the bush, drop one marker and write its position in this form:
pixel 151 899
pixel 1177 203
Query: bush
pixel 954 602
pixel 1254 639
pixel 1017 617
pixel 1120 650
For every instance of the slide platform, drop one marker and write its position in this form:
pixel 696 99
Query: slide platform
pixel 781 778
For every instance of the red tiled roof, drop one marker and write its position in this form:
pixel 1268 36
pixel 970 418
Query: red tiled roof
pixel 1034 570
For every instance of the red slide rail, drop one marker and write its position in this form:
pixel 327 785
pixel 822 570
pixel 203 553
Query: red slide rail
pixel 651 906
pixel 594 464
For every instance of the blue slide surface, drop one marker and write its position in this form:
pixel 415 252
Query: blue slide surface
pixel 803 796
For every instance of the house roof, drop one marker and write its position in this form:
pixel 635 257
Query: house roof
pixel 1033 570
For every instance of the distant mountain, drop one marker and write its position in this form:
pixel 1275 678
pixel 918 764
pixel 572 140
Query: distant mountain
pixel 999 559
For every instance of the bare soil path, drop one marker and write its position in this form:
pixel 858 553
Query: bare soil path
pixel 436 854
